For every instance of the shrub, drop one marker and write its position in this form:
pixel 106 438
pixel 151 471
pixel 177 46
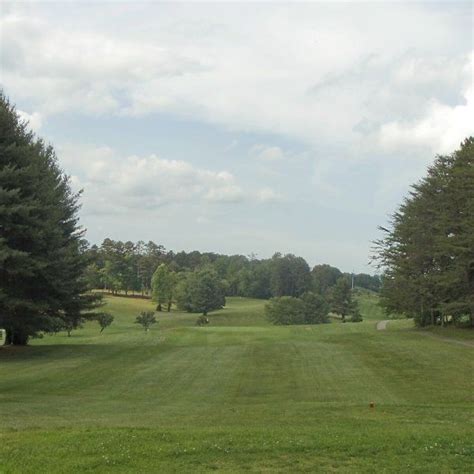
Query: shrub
pixel 285 310
pixel 309 309
pixel 146 319
pixel 202 320
pixel 104 320
pixel 316 308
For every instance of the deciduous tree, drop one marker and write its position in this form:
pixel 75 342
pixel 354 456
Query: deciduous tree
pixel 146 319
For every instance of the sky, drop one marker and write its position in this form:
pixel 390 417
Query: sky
pixel 244 128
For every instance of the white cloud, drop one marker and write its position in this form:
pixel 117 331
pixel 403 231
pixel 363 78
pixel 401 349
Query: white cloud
pixel 35 119
pixel 85 71
pixel 311 72
pixel 441 129
pixel 228 194
pixel 267 153
pixel 113 184
pixel 268 195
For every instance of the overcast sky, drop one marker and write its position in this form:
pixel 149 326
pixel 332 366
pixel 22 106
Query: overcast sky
pixel 242 128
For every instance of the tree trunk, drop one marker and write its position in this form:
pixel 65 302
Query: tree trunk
pixel 204 312
pixel 169 306
pixel 17 338
pixel 158 308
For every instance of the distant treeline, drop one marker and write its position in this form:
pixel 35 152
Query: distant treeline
pixel 128 267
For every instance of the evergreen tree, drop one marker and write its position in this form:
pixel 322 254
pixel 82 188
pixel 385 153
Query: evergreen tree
pixel 428 251
pixel 342 302
pixel 285 310
pixel 316 308
pixel 42 254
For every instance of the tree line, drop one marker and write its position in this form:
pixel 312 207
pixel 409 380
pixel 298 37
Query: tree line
pixel 315 308
pixel 202 290
pixel 199 282
pixel 128 267
pixel 427 251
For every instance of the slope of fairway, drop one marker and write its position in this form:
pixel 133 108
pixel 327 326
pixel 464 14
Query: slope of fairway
pixel 236 395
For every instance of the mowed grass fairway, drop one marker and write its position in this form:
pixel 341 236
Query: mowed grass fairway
pixel 238 395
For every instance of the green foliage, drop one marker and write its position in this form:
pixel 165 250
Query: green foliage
pixel 124 267
pixel 368 282
pixel 311 308
pixel 104 320
pixel 428 252
pixel 202 320
pixel 254 280
pixel 146 319
pixel 289 275
pixel 342 302
pixel 356 316
pixel 163 285
pixel 316 308
pixel 200 291
pixel 285 310
pixel 324 277
pixel 42 255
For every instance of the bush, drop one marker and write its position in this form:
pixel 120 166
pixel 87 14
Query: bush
pixel 309 309
pixel 356 317
pixel 104 320
pixel 285 310
pixel 316 308
pixel 146 319
pixel 202 320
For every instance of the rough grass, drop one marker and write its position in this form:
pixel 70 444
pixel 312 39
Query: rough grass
pixel 237 395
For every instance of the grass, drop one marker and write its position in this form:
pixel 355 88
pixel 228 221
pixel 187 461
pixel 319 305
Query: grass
pixel 237 395
pixel 369 305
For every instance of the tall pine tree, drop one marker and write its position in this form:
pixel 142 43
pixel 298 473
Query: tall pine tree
pixel 428 252
pixel 42 259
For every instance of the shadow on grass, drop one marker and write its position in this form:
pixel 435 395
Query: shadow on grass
pixel 55 351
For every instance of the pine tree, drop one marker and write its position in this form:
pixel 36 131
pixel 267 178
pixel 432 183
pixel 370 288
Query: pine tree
pixel 428 251
pixel 42 259
pixel 342 302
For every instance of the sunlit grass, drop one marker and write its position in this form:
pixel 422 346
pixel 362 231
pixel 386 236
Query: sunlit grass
pixel 236 395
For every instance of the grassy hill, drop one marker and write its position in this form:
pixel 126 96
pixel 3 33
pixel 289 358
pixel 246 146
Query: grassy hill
pixel 238 395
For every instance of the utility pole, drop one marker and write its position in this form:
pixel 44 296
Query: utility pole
pixel 352 275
